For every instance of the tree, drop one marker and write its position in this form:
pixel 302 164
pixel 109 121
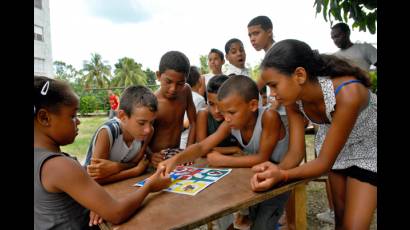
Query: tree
pixel 151 79
pixel 254 71
pixel 363 12
pixel 203 59
pixel 98 73
pixel 128 72
pixel 65 72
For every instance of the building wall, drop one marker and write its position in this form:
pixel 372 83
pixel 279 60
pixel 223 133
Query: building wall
pixel 43 62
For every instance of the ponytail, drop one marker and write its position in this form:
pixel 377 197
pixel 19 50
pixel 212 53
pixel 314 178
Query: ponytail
pixel 287 55
pixel 332 66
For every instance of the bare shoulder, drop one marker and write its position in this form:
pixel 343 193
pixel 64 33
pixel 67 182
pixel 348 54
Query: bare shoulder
pixel 355 94
pixel 60 170
pixel 187 89
pixel 270 115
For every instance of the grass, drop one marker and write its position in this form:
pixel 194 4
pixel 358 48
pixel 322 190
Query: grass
pixel 86 128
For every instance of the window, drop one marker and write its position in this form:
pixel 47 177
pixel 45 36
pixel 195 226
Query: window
pixel 39 65
pixel 38 33
pixel 38 4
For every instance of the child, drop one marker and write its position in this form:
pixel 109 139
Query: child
pixel 259 131
pixel 260 33
pixel 174 98
pixel 194 81
pixel 236 56
pixel 264 96
pixel 210 118
pixel 117 149
pixel 215 62
pixel 336 96
pixel 63 192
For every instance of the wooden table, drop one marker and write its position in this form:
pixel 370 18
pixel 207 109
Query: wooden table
pixel 165 210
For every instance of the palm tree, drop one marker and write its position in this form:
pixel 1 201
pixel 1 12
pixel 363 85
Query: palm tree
pixel 128 72
pixel 97 73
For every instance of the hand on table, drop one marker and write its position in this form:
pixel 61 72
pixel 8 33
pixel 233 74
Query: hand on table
pixel 101 168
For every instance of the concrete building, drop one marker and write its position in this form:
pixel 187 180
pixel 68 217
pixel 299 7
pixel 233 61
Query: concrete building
pixel 43 62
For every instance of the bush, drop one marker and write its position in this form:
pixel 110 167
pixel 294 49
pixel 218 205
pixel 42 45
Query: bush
pixel 88 104
pixel 373 79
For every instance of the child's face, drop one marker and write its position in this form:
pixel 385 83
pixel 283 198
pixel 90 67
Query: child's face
pixel 285 89
pixel 213 107
pixel 171 82
pixel 64 124
pixel 259 37
pixel 215 63
pixel 236 55
pixel 236 111
pixel 140 124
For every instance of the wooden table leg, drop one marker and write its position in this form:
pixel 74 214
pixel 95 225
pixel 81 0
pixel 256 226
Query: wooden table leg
pixel 300 207
pixel 105 226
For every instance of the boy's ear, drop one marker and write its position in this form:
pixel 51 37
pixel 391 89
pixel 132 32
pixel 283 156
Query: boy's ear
pixel 121 114
pixel 158 74
pixel 43 117
pixel 301 75
pixel 253 105
pixel 270 33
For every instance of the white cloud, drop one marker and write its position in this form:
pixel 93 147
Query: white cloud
pixel 192 27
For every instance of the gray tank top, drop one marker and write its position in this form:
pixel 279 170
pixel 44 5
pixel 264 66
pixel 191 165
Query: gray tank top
pixel 253 145
pixel 55 210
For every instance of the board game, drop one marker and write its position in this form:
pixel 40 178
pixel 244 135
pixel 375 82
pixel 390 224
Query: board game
pixel 191 180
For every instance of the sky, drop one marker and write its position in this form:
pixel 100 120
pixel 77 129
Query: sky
pixel 146 29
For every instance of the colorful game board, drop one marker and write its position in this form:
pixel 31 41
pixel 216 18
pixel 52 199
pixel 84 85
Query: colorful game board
pixel 191 180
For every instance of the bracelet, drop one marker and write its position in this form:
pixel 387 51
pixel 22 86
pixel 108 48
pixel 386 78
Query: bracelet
pixel 285 175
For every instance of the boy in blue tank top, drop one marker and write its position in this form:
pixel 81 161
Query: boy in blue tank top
pixel 117 149
pixel 260 132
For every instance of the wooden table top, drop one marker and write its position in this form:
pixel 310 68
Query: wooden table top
pixel 166 210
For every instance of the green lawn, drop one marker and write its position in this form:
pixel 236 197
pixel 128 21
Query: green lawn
pixel 86 128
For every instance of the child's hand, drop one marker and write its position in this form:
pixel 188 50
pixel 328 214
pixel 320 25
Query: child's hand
pixel 215 158
pixel 168 165
pixel 158 180
pixel 157 157
pixel 95 219
pixel 102 168
pixel 143 163
pixel 262 166
pixel 267 175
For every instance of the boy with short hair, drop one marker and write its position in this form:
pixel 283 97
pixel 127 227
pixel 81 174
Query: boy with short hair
pixel 117 149
pixel 215 62
pixel 174 98
pixel 261 37
pixel 194 81
pixel 260 33
pixel 259 130
pixel 264 95
pixel 236 56
pixel 210 118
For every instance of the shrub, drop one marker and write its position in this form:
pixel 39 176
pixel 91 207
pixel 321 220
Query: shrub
pixel 373 79
pixel 88 104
